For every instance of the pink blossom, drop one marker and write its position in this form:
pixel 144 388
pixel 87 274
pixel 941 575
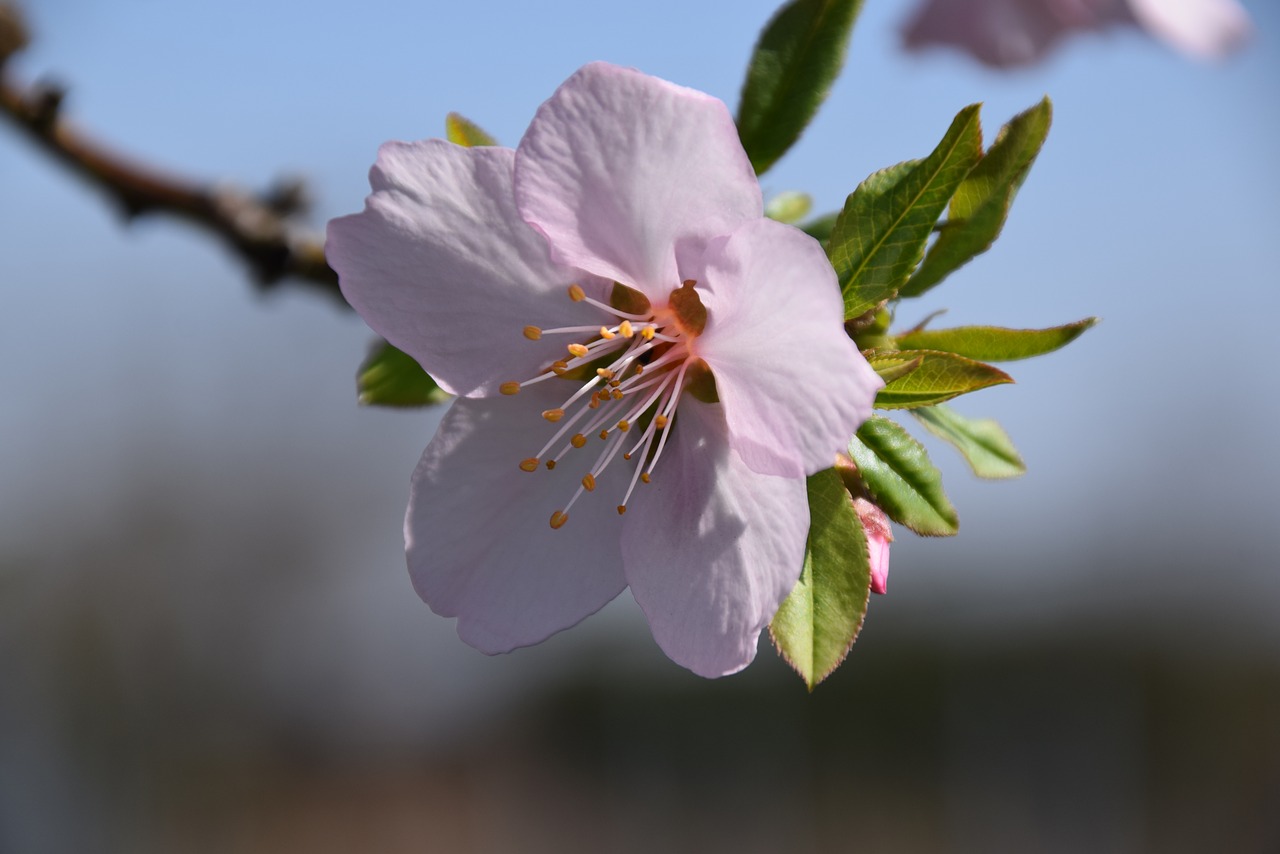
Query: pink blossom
pixel 1005 33
pixel 879 535
pixel 653 434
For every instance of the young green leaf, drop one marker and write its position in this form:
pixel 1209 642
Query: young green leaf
pixel 798 57
pixel 981 204
pixel 789 207
pixel 938 378
pixel 390 377
pixel 881 234
pixel 462 131
pixel 900 478
pixel 816 625
pixel 993 343
pixel 983 442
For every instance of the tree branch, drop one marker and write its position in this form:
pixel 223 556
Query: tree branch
pixel 260 228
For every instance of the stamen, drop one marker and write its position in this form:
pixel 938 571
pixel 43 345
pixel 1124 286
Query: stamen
pixel 645 477
pixel 533 333
pixel 604 373
pixel 648 332
pixel 589 482
pixel 625 330
pixel 577 294
pixel 622 508
pixel 660 421
pixel 578 350
pixel 559 517
pixel 607 333
pixel 560 367
pixel 530 464
pixel 624 425
pixel 578 440
pixel 553 415
pixel 509 388
pixel 551 464
pixel 604 434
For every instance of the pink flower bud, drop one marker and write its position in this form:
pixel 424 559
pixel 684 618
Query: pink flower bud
pixel 879 535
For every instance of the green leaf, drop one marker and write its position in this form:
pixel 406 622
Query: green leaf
pixel 939 377
pixel 981 204
pixel 993 343
pixel 462 131
pixel 983 442
pixel 881 234
pixel 798 57
pixel 789 207
pixel 900 478
pixel 816 625
pixel 820 228
pixel 895 369
pixel 390 377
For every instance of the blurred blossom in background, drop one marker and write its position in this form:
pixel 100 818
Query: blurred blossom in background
pixel 208 640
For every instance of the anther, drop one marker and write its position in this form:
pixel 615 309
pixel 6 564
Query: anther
pixel 530 464
pixel 588 482
pixel 647 333
pixel 578 350
pixel 604 434
pixel 578 440
pixel 627 455
pixel 660 421
pixel 559 367
pixel 624 425
pixel 576 294
pixel 607 333
pixel 553 415
pixel 616 394
pixel 604 373
pixel 645 477
pixel 625 330
pixel 509 388
pixel 533 333
pixel 559 517
pixel 551 464
pixel 622 508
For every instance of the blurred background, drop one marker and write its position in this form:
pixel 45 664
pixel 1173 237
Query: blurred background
pixel 208 640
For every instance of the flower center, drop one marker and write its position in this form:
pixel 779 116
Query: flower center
pixel 630 377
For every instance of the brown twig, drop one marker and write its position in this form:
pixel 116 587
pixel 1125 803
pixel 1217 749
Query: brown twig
pixel 257 227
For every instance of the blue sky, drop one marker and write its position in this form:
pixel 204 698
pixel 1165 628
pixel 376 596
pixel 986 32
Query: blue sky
pixel 144 350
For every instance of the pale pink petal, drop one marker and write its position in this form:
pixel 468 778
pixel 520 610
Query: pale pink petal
pixel 618 166
pixel 441 265
pixel 1206 29
pixel 1006 33
pixel 477 533
pixel 711 547
pixel 793 385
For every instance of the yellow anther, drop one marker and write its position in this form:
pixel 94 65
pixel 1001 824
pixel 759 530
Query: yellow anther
pixel 589 482
pixel 645 477
pixel 615 383
pixel 627 455
pixel 509 388
pixel 604 373
pixel 624 425
pixel 607 333
pixel 604 434
pixel 559 367
pixel 639 370
pixel 594 404
pixel 578 350
pixel 533 333
pixel 659 421
pixel 578 440
pixel 616 394
pixel 553 415
pixel 648 332
pixel 530 464
pixel 558 519
pixel 625 330
pixel 551 464
pixel 576 293
pixel 622 508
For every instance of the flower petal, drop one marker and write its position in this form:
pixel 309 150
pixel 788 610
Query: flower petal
pixel 1206 29
pixel 793 385
pixel 617 166
pixel 711 547
pixel 477 532
pixel 441 265
pixel 1006 33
